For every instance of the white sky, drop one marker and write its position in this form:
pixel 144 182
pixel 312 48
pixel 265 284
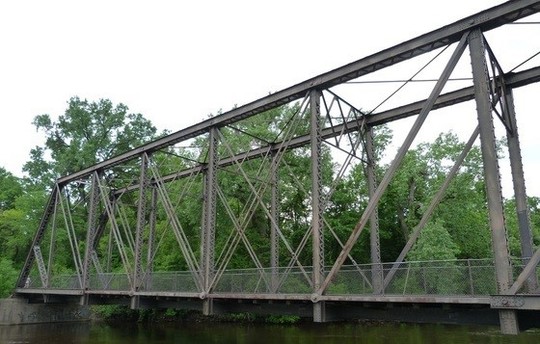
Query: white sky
pixel 177 61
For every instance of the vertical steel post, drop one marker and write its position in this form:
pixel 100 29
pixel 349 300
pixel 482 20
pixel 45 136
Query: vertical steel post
pixel 141 223
pixel 209 219
pixel 151 239
pixel 316 215
pixel 52 244
pixel 508 318
pixel 274 230
pixel 376 267
pixel 90 234
pixel 108 268
pixel 518 178
pixel 41 267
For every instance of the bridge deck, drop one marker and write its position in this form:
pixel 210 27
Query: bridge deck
pixel 449 299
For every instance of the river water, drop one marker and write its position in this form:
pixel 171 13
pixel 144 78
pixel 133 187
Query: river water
pixel 188 333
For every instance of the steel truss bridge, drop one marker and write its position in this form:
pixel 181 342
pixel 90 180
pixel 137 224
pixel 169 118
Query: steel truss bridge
pixel 116 217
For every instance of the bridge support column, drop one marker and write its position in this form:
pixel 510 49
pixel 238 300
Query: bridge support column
pixel 319 309
pixel 508 318
pixel 376 269
pixel 208 307
pixel 90 234
pixel 319 312
pixel 518 178
pixel 316 208
pixel 141 224
pixel 135 302
pixel 274 230
pixel 209 221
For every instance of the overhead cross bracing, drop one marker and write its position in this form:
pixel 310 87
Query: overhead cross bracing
pixel 130 208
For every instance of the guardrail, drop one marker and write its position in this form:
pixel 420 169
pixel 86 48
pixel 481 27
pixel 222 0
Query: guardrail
pixel 469 277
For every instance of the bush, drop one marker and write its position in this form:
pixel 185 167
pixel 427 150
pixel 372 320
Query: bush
pixel 283 319
pixel 9 277
pixel 243 317
pixel 115 312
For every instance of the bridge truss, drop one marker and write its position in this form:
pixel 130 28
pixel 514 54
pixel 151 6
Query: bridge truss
pixel 117 216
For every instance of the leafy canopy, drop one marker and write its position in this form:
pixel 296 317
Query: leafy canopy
pixel 87 133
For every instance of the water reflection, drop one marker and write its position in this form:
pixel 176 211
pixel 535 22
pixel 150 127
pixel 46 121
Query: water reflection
pixel 188 333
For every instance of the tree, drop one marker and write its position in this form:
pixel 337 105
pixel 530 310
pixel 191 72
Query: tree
pixel 10 189
pixel 88 132
pixel 9 275
pixel 435 243
pixel 512 224
pixel 462 211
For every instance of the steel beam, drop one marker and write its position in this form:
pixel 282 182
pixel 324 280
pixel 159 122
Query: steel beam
pixel 30 258
pixel 141 224
pixel 209 214
pixel 274 223
pixel 518 178
pixel 41 267
pixel 376 270
pixel 152 222
pixel 528 270
pixel 508 318
pixel 317 234
pixel 91 231
pixel 486 20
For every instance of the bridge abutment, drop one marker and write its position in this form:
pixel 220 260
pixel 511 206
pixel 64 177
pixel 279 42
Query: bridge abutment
pixel 18 311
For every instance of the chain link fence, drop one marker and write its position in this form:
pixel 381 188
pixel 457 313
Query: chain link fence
pixel 470 277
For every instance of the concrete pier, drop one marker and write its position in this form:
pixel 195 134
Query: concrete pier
pixel 17 311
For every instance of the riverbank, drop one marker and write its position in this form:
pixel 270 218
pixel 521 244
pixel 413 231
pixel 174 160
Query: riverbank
pixel 116 313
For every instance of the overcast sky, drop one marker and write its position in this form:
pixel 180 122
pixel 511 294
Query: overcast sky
pixel 178 61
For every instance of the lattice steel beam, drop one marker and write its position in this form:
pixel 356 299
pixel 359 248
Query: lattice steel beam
pixel 49 209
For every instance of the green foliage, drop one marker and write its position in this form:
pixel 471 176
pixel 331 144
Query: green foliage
pixel 338 289
pixel 8 277
pixel 406 284
pixel 10 189
pixel 512 224
pixel 435 243
pixel 115 312
pixel 17 225
pixel 283 319
pixel 244 317
pixel 88 132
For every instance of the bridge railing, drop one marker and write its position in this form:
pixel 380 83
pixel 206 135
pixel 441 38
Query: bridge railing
pixel 469 277
pixel 453 277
